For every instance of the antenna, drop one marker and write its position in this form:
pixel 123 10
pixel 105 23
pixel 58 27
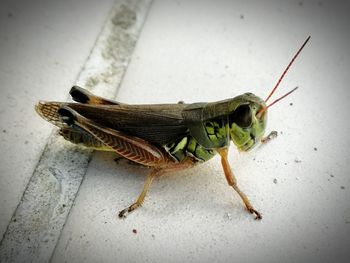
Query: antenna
pixel 275 101
pixel 285 71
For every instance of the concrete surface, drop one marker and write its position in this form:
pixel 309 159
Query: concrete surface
pixel 37 223
pixel 43 46
pixel 206 51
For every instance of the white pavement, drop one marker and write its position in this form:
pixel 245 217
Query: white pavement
pixel 43 46
pixel 207 51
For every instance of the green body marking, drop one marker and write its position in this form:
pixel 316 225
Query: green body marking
pixel 188 147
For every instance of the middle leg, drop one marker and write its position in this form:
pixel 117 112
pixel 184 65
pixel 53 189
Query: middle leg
pixel 187 163
pixel 141 198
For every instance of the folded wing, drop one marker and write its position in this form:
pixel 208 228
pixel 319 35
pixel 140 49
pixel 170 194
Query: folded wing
pixel 157 123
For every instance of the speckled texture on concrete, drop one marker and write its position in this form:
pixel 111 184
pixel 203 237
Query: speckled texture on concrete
pixel 211 50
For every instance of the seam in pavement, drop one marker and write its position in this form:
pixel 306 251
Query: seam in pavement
pixel 37 223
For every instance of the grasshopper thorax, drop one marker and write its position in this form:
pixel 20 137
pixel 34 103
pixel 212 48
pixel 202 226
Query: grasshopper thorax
pixel 246 126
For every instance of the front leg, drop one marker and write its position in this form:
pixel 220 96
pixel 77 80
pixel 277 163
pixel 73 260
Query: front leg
pixel 269 137
pixel 232 181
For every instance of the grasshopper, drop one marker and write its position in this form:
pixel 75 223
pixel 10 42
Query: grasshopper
pixel 165 137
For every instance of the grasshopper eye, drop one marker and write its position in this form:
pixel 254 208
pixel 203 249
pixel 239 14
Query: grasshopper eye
pixel 242 116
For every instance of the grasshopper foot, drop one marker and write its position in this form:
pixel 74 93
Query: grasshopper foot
pixel 257 214
pixel 124 212
pixel 269 137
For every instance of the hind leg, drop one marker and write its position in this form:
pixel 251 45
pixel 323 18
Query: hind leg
pixel 83 96
pixel 130 147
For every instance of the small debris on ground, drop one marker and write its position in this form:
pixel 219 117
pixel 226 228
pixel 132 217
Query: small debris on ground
pixel 291 104
pixel 275 181
pixel 228 216
pixel 241 16
pixel 315 149
pixel 134 231
pixel 297 161
pixel 331 175
pixel 342 187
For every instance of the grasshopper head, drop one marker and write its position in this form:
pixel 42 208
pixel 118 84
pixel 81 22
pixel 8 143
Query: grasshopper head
pixel 248 116
pixel 247 123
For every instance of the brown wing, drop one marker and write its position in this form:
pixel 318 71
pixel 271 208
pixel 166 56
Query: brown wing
pixel 157 124
pixel 49 112
pixel 130 147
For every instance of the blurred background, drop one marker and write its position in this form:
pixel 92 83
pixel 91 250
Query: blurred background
pixel 191 51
